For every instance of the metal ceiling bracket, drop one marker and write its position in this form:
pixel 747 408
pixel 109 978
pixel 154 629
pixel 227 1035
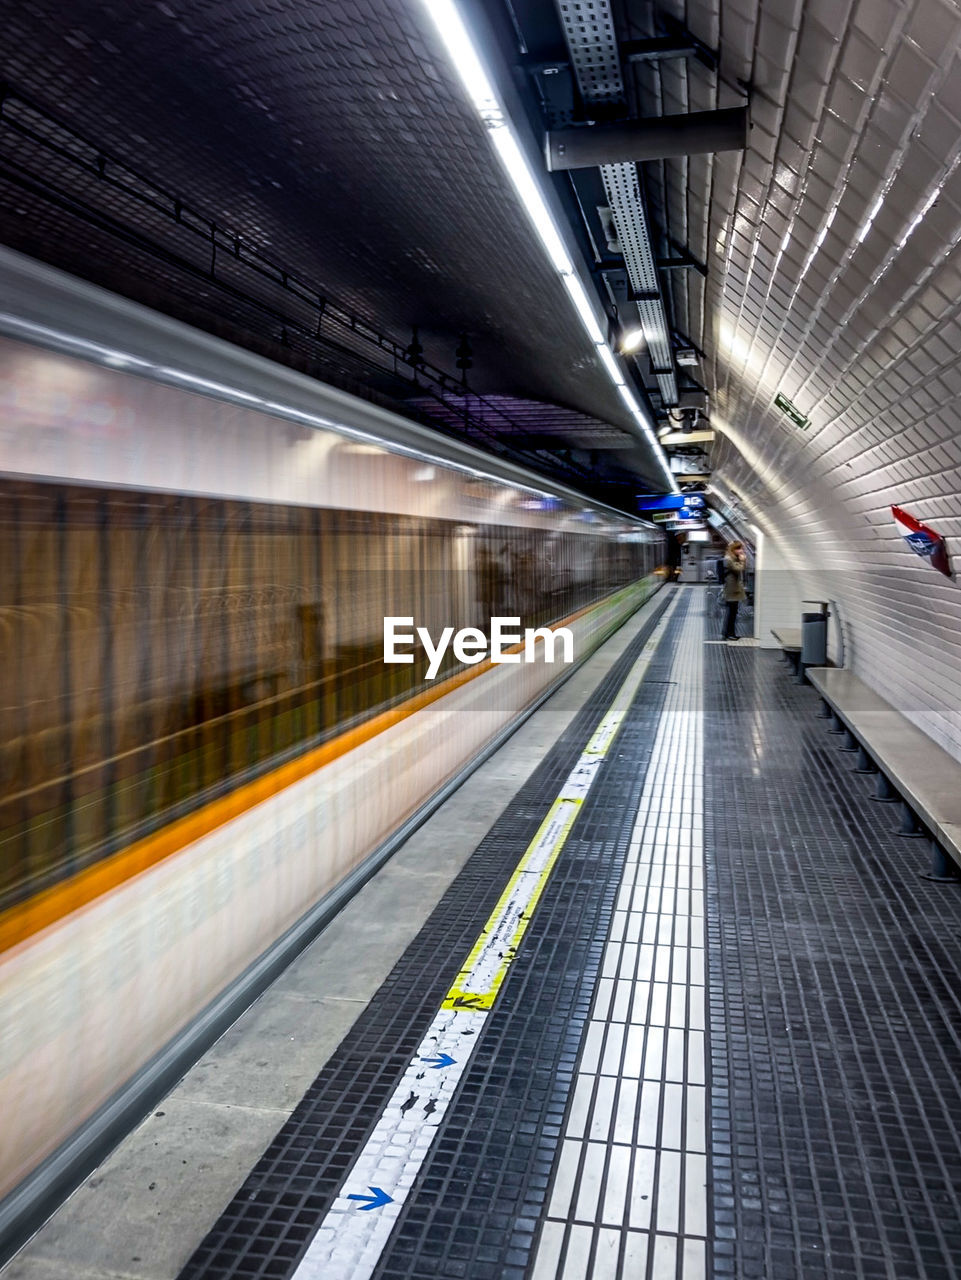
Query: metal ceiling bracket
pixel 682 263
pixel 693 398
pixel 544 66
pixel 684 252
pixel 658 47
pixel 654 138
pixel 679 42
pixel 684 341
pixel 687 437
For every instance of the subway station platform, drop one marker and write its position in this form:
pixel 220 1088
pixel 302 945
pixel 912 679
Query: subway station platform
pixel 658 993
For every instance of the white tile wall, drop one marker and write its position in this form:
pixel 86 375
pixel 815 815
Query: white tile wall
pixel 855 318
pixel 777 591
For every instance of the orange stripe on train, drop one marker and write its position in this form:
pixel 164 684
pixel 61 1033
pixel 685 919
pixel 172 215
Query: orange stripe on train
pixel 24 921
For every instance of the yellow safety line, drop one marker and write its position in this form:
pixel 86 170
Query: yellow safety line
pixel 467 992
pixel 463 996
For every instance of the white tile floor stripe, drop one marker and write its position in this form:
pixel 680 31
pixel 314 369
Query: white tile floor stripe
pixel 639 1097
pixel 350 1240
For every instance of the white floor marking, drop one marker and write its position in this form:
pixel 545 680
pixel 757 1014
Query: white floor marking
pixel 640 1094
pixel 354 1232
pixel 351 1238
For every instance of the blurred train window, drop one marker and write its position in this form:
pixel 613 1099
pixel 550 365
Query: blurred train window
pixel 159 650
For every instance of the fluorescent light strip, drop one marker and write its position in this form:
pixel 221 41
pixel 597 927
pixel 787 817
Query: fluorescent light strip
pixel 476 82
pixel 526 187
pixel 583 306
pixel 610 364
pixel 627 395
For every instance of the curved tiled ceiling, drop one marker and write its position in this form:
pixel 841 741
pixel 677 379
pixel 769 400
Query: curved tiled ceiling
pixel 835 282
pixel 336 138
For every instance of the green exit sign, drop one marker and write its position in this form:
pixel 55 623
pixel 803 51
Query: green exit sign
pixel 791 410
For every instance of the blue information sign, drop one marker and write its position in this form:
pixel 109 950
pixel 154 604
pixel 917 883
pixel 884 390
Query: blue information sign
pixel 670 501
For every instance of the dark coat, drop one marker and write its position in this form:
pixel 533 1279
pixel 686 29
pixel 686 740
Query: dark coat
pixel 734 578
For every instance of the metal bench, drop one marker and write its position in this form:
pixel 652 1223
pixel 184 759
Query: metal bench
pixel 789 638
pixel 910 767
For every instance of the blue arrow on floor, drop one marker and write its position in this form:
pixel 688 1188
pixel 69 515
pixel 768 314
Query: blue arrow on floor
pixel 442 1060
pixel 377 1200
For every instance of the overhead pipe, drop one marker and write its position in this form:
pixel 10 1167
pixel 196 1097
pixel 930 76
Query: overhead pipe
pixel 654 138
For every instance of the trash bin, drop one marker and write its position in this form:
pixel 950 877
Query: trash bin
pixel 814 639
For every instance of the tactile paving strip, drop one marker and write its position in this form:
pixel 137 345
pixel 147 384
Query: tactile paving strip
pixel 835 974
pixel 630 1193
pixel 474 1209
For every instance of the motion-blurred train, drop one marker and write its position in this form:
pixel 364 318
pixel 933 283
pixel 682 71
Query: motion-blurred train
pixel 202 750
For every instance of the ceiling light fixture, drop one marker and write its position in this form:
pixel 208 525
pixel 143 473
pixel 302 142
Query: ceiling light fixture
pixel 474 77
pixel 631 341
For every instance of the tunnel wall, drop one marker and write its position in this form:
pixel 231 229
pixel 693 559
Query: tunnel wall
pixel 833 326
pixel 897 620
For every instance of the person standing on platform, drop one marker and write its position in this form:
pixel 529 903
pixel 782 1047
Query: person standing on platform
pixel 735 562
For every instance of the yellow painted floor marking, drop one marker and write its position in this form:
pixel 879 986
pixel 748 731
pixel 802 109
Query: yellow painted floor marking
pixel 477 984
pixel 349 1242
pixel 482 974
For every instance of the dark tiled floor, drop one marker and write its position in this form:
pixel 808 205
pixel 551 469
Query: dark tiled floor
pixel 835 975
pixel 475 1207
pixel 835 1022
